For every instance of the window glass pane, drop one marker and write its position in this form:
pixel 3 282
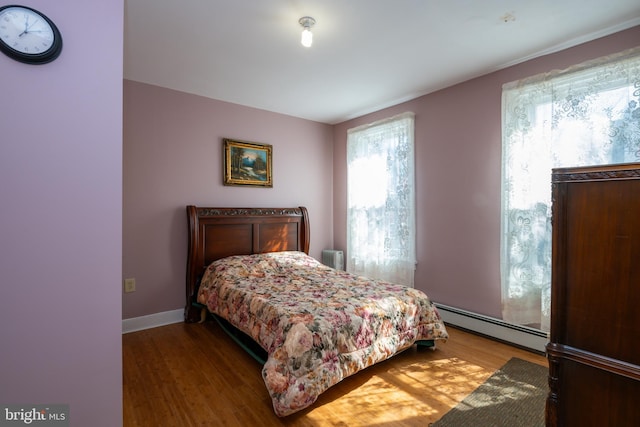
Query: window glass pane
pixel 587 115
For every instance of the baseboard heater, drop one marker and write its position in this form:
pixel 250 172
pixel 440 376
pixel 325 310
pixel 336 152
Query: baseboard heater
pixel 521 336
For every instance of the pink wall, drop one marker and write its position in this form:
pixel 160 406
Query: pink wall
pixel 458 155
pixel 61 219
pixel 173 157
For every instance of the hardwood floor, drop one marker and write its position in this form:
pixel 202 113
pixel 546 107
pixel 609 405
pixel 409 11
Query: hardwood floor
pixel 195 375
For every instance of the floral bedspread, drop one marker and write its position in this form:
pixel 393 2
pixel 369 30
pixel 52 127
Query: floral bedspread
pixel 318 325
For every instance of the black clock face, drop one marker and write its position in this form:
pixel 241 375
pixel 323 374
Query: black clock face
pixel 28 36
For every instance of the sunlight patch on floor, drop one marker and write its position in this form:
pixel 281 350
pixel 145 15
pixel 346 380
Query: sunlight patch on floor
pixel 497 395
pixel 397 394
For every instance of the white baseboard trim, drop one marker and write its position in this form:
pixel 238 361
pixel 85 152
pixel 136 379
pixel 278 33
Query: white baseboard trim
pixel 522 336
pixel 152 320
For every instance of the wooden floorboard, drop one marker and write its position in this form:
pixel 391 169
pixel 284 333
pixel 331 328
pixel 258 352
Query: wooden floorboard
pixel 195 375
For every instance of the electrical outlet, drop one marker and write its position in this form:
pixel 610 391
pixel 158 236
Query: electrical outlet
pixel 129 285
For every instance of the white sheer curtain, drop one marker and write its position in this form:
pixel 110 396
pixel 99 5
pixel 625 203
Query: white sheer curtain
pixel 381 200
pixel 586 115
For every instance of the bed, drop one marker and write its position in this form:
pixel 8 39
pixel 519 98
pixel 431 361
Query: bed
pixel 250 269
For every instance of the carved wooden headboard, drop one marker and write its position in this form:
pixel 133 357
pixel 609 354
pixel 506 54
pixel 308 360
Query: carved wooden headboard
pixel 216 233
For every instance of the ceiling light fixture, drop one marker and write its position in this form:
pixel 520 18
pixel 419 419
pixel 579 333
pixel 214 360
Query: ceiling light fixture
pixel 307 36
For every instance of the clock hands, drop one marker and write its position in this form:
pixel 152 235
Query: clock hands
pixel 27 27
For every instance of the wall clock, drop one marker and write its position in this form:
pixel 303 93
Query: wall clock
pixel 28 36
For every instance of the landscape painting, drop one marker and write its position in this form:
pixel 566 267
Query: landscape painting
pixel 247 163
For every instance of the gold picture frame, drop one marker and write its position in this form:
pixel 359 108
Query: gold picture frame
pixel 247 163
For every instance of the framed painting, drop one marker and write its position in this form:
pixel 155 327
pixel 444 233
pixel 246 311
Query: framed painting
pixel 247 163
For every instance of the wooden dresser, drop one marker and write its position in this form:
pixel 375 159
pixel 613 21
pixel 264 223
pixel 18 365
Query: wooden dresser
pixel 594 348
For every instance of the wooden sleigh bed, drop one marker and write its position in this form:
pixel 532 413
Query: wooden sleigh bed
pixel 250 268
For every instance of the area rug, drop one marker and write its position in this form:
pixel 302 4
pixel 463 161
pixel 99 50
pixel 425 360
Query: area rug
pixel 514 396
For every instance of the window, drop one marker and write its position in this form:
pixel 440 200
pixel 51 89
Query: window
pixel 381 200
pixel 586 115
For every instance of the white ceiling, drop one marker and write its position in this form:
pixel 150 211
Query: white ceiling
pixel 366 55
